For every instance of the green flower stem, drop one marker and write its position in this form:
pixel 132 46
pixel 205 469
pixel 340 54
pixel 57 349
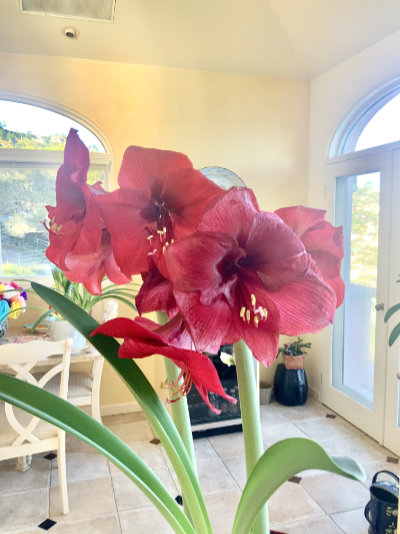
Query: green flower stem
pixel 249 406
pixel 180 412
pixel 179 409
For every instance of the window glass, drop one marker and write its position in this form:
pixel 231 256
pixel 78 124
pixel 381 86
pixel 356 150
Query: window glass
pixel 32 141
pixel 31 127
pixel 383 127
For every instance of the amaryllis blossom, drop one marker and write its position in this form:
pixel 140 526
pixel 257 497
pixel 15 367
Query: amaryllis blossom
pixel 79 243
pixel 322 240
pixel 144 338
pixel 161 198
pixel 156 294
pixel 246 275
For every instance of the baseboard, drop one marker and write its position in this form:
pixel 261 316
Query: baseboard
pixel 314 393
pixel 115 409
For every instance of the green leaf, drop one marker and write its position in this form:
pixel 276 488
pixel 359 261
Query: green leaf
pixel 70 418
pixel 147 398
pixel 279 463
pixel 391 311
pixel 395 333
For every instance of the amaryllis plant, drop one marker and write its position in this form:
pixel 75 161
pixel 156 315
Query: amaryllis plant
pixel 218 271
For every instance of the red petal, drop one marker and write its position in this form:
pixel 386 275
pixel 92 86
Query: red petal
pixel 208 324
pixel 300 218
pixel 193 262
pixel 232 213
pixel 304 306
pixel 76 155
pixel 144 169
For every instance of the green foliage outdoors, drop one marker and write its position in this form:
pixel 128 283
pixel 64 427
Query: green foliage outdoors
pixel 29 141
pixel 364 235
pixel 14 270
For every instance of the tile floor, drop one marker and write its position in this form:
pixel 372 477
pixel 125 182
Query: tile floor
pixel 103 501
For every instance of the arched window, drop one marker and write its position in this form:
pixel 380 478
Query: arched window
pixel 32 140
pixel 374 122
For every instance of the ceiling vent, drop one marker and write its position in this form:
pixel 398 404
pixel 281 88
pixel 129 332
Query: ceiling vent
pixel 99 10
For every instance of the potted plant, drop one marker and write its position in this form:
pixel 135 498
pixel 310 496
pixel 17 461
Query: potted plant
pixel 290 381
pixel 58 327
pixel 293 353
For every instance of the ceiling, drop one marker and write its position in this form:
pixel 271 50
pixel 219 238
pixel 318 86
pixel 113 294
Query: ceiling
pixel 296 39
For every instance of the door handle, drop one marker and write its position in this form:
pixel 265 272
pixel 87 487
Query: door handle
pixel 380 307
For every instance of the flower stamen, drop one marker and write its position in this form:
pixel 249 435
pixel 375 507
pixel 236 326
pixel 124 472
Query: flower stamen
pixel 252 313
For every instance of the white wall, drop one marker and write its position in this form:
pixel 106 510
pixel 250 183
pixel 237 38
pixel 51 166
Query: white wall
pixel 333 96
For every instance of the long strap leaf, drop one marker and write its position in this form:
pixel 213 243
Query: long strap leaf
pixel 68 417
pixel 279 463
pixel 147 398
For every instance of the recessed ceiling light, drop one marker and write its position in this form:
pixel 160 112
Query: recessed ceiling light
pixel 70 32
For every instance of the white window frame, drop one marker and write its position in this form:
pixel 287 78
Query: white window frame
pixel 23 159
pixel 346 136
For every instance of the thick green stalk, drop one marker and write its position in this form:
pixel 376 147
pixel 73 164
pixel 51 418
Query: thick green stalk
pixel 180 412
pixel 179 409
pixel 249 406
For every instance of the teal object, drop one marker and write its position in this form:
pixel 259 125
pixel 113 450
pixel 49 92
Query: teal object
pixel 4 309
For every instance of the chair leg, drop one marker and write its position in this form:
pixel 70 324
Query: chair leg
pixel 96 372
pixel 62 472
pixel 23 463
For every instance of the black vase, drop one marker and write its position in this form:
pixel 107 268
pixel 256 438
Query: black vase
pixel 290 386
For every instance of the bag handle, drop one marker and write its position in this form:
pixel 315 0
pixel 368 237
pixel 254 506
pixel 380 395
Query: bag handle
pixel 367 509
pixel 387 473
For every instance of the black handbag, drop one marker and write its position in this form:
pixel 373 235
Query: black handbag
pixel 382 509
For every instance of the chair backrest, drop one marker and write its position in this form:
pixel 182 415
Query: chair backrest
pixel 36 362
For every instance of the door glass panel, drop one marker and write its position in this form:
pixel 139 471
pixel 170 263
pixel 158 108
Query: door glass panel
pixel 357 209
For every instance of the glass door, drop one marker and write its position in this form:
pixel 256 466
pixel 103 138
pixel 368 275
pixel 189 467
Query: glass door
pixel 354 380
pixel 392 401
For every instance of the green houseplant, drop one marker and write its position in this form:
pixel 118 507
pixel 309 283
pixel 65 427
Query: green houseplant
pixel 293 353
pixel 78 294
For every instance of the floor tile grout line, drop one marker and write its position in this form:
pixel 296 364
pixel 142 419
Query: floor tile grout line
pixel 114 496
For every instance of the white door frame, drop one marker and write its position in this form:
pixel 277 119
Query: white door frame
pixel 369 420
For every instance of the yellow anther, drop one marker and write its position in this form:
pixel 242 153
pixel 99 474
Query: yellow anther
pixel 160 232
pixel 256 321
pixel 242 312
pixel 253 299
pixel 172 241
pixel 163 249
pixel 248 316
pixel 164 230
pixel 265 313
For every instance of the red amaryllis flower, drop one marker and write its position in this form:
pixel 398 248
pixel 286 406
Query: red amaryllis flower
pixel 79 243
pixel 322 240
pixel 144 338
pixel 161 198
pixel 246 275
pixel 156 294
